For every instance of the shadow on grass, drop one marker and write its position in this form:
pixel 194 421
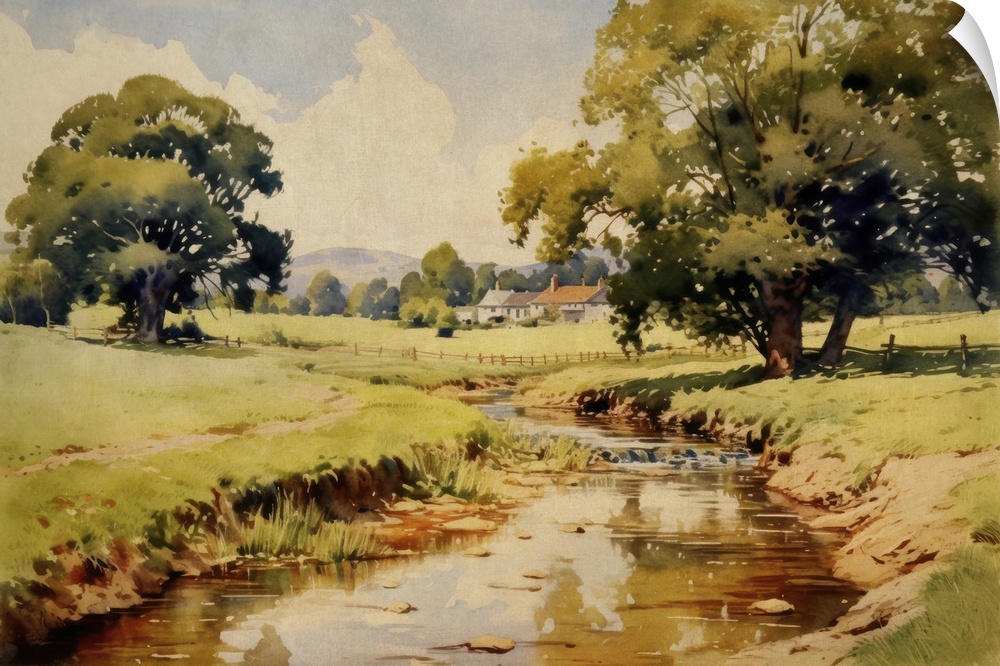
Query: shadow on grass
pixel 659 389
pixel 911 363
pixel 180 348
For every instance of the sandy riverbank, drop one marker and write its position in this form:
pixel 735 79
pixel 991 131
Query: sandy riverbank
pixel 899 524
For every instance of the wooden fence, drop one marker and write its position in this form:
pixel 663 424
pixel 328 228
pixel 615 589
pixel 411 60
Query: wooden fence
pixel 890 351
pixel 112 334
pixel 964 349
pixel 530 360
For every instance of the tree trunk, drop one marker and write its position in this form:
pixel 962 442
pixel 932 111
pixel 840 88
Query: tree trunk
pixel 155 289
pixel 783 304
pixel 13 310
pixel 840 327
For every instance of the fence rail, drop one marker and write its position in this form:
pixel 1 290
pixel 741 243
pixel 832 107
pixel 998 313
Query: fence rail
pixel 113 334
pixel 890 350
pixel 887 351
pixel 530 360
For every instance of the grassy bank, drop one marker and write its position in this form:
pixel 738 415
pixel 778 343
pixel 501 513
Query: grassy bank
pixel 860 417
pixel 97 441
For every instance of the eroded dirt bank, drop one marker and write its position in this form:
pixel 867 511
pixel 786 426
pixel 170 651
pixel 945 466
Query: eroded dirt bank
pixel 898 521
pixel 73 585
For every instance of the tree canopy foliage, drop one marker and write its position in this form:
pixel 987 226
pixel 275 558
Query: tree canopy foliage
pixel 578 269
pixel 140 200
pixel 772 155
pixel 326 295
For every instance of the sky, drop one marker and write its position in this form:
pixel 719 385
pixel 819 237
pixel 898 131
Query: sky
pixel 394 121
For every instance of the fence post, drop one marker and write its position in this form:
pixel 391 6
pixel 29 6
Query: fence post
pixel 545 359
pixel 466 358
pixel 503 360
pixel 481 359
pixel 355 348
pixel 105 337
pixel 74 332
pixel 888 352
pixel 965 352
pixel 239 343
pixel 581 357
pixel 492 360
pixel 442 355
pixel 414 352
pixel 380 352
pixel 227 340
pixel 520 359
pixel 532 361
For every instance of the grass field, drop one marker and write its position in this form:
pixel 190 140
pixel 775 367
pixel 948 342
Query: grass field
pixel 337 330
pixel 924 404
pixel 114 435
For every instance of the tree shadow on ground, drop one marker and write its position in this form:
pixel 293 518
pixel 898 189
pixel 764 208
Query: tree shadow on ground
pixel 658 389
pixel 180 348
pixel 982 363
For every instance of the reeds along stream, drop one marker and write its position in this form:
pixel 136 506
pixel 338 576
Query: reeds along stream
pixel 652 563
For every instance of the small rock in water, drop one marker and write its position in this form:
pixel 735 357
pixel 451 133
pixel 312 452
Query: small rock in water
pixel 690 453
pixel 389 583
pixel 408 506
pixel 535 574
pixel 573 529
pixel 518 588
pixel 400 607
pixel 476 551
pixel 723 459
pixel 772 607
pixel 470 524
pixel 491 644
pixel 523 536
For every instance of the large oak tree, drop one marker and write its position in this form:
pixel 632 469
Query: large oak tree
pixel 770 155
pixel 140 200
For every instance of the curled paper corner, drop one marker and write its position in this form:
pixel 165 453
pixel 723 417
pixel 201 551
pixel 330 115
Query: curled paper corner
pixel 971 37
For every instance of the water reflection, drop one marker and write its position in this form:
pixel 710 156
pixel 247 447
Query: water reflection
pixel 623 568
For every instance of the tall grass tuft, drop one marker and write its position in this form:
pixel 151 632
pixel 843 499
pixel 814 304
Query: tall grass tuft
pixel 446 469
pixel 562 453
pixel 960 625
pixel 293 532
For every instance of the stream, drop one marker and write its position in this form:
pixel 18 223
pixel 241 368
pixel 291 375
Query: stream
pixel 663 567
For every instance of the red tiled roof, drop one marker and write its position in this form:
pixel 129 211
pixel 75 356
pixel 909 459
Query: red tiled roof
pixel 569 295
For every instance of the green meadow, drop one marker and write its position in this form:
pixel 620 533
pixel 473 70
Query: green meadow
pixel 100 440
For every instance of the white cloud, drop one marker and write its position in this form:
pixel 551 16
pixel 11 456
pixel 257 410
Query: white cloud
pixel 368 165
pixel 38 85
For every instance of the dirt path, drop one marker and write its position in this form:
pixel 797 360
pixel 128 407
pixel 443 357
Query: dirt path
pixel 334 406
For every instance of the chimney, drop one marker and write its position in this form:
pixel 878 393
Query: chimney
pixel 600 283
pixel 497 287
pixel 555 283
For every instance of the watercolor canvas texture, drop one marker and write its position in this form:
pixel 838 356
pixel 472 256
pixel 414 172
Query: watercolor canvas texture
pixel 518 332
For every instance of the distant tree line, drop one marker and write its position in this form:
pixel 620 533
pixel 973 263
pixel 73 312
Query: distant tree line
pixel 429 296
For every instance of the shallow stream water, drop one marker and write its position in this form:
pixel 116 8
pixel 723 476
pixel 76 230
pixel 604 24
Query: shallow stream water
pixel 666 561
